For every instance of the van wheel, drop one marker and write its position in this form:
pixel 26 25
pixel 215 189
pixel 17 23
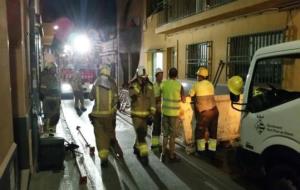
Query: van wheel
pixel 283 177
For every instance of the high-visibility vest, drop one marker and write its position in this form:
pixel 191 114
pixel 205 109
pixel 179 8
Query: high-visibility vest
pixel 171 97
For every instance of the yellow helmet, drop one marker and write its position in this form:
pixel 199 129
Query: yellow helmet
pixel 235 85
pixel 202 71
pixel 105 70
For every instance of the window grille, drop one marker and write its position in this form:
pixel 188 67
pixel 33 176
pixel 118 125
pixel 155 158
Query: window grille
pixel 241 49
pixel 199 54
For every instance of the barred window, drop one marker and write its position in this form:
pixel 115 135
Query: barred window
pixel 241 49
pixel 198 55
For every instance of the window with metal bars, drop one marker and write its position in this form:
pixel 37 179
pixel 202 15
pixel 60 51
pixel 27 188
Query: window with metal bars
pixel 241 49
pixel 199 54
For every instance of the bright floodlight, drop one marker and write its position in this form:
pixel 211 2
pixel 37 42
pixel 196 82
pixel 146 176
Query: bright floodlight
pixel 55 27
pixel 81 44
pixel 67 48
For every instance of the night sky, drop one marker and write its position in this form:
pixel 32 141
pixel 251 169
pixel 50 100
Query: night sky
pixel 83 13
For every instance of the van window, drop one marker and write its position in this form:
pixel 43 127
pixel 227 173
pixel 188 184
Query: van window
pixel 263 95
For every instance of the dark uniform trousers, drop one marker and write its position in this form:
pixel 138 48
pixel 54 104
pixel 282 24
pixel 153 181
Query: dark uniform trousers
pixel 207 120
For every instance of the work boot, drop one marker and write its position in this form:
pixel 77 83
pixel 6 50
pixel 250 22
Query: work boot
pixel 51 132
pixel 144 160
pixel 189 149
pixel 78 111
pixel 162 158
pixel 174 159
pixel 156 149
pixel 118 150
pixel 104 163
pixel 135 150
pixel 83 109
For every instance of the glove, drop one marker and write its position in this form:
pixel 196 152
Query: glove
pixel 149 120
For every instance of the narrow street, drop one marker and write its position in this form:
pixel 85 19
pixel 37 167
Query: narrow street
pixel 190 173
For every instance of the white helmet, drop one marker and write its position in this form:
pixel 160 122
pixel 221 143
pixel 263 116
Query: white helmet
pixel 158 70
pixel 141 71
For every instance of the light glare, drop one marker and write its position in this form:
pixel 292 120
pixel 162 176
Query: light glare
pixel 81 44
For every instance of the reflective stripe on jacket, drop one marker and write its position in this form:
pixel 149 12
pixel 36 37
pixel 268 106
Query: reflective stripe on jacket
pixel 142 99
pixel 105 99
pixel 171 97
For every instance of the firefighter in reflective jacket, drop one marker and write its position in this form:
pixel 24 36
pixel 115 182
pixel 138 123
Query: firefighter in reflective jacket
pixel 141 93
pixel 76 83
pixel 50 95
pixel 157 117
pixel 103 115
pixel 206 111
pixel 172 95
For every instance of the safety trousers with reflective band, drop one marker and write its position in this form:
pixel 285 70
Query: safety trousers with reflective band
pixel 103 154
pixel 155 141
pixel 201 144
pixel 140 113
pixel 212 144
pixel 104 129
pixel 143 149
pixel 207 120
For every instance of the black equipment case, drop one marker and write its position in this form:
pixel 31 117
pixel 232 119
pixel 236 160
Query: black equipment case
pixel 51 153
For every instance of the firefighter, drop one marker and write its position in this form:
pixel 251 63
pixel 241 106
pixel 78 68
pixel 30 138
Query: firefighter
pixel 157 117
pixel 76 83
pixel 103 115
pixel 172 95
pixel 207 113
pixel 51 97
pixel 141 93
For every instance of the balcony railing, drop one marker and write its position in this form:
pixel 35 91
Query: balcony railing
pixel 177 9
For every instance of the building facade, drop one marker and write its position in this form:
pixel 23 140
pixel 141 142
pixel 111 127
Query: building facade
pixel 190 33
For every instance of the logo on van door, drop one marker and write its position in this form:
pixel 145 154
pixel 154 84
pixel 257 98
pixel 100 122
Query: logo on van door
pixel 260 126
